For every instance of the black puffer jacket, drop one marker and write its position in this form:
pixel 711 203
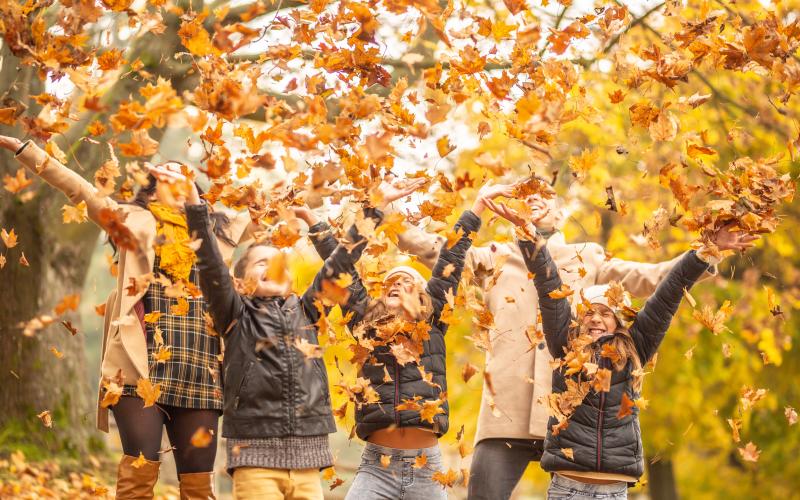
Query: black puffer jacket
pixel 407 381
pixel 269 387
pixel 599 440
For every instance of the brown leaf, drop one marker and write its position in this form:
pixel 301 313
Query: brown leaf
pixel 202 438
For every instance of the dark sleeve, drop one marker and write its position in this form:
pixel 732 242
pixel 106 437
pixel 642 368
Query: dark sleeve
pixel 556 313
pixel 652 322
pixel 224 303
pixel 322 239
pixel 439 284
pixel 341 260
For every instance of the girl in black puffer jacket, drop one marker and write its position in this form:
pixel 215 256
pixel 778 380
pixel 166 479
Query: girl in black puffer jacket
pixel 401 394
pixel 593 446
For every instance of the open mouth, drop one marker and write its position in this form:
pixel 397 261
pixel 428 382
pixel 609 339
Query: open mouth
pixel 597 331
pixel 394 294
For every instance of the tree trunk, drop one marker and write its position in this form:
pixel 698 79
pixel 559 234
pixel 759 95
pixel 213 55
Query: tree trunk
pixel 662 480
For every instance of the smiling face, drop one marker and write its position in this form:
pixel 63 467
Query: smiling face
pixel 599 321
pixel 398 292
pixel 546 211
pixel 266 267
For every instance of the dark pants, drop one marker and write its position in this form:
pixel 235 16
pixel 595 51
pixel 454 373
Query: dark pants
pixel 140 432
pixel 498 465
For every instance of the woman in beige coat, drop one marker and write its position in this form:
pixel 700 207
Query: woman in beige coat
pixel 154 326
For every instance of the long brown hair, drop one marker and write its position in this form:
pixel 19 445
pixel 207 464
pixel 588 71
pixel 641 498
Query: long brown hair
pixel 622 342
pixel 377 311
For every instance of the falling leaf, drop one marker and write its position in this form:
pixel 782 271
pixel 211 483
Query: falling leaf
pixel 420 461
pixel 24 260
pixel 163 354
pixel 750 452
pixel 385 460
pixel 308 349
pixel 69 327
pixel 562 292
pixel 58 354
pixel 46 418
pixel 181 308
pixel 139 462
pixel 791 415
pixel 447 479
pixel 430 409
pixel 202 438
pixel 16 183
pixel 68 303
pixel 569 453
pixel 9 238
pixel 147 391
pixel 625 407
pixel 76 214
pixel 468 371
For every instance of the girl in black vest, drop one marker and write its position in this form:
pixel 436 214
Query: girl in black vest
pixel 593 447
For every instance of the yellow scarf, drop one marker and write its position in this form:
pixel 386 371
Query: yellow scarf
pixel 173 233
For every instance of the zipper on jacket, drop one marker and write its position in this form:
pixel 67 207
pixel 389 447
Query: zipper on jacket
pixel 600 429
pixel 290 375
pixel 241 384
pixel 396 393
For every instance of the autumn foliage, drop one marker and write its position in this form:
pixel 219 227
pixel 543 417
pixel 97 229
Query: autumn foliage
pixel 660 123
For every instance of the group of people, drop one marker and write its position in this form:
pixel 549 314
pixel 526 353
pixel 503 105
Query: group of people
pixel 276 401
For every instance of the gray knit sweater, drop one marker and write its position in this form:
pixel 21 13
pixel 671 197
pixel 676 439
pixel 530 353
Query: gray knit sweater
pixel 290 452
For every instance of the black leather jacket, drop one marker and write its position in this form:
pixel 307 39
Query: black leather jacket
pixel 269 387
pixel 600 441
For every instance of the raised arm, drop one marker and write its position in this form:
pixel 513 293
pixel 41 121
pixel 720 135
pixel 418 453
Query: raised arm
pixel 556 313
pixel 77 189
pixel 447 271
pixel 224 302
pixel 341 260
pixel 639 278
pixel 652 322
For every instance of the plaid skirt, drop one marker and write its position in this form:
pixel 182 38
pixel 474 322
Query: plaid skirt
pixel 191 377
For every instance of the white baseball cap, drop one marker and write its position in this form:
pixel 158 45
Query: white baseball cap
pixel 418 278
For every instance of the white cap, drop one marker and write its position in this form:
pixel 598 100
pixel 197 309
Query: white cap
pixel 418 278
pixel 596 294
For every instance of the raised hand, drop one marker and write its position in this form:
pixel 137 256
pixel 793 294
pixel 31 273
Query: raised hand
pixel 169 173
pixel 727 239
pixel 10 143
pixel 305 214
pixel 394 189
pixel 489 191
pixel 506 212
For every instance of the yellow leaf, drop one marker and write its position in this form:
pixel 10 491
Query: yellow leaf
pixel 17 183
pixel 9 238
pixel 163 354
pixel 74 214
pixel 430 409
pixel 308 349
pixel 58 354
pixel 444 147
pixel 420 461
pixel 147 391
pixel 181 308
pixel 152 317
pixel 139 461
pixel 385 460
pixel 393 226
pixel 569 453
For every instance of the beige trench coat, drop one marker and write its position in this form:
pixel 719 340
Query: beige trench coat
pixel 124 344
pixel 520 372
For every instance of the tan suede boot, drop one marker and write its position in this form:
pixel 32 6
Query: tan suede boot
pixel 197 486
pixel 136 483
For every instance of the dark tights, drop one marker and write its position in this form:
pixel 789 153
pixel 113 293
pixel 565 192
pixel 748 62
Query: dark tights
pixel 140 432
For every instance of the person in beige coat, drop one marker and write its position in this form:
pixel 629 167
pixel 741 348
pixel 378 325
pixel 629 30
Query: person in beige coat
pixel 512 422
pixel 189 378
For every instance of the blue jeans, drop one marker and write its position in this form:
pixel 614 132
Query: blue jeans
pixel 400 480
pixel 563 488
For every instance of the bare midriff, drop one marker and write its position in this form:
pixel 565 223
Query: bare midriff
pixel 597 477
pixel 403 438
